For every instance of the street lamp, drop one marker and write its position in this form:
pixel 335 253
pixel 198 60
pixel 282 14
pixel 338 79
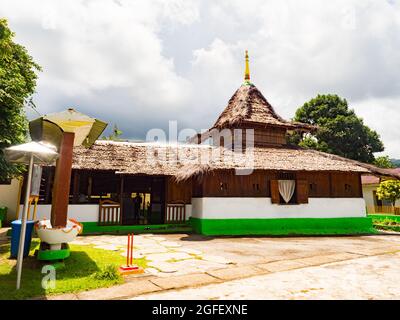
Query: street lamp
pixel 28 153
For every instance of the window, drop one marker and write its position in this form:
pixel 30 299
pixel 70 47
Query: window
pixel 289 191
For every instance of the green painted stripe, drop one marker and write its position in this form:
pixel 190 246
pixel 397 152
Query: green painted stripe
pixel 93 227
pixel 284 226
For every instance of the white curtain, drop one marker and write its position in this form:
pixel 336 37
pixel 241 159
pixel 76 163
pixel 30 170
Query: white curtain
pixel 286 189
pixel 36 180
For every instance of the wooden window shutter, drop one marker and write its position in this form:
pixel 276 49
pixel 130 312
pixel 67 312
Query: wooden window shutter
pixel 302 191
pixel 275 198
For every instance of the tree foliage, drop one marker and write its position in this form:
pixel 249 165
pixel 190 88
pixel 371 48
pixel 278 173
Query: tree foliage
pixel 383 162
pixel 340 131
pixel 17 84
pixel 389 190
pixel 115 135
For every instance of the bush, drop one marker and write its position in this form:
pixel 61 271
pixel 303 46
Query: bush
pixel 109 272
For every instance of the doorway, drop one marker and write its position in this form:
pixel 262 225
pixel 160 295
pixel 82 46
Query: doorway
pixel 143 200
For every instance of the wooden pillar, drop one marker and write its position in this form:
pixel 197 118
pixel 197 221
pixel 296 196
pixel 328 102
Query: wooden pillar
pixel 76 187
pixel 49 184
pixel 121 191
pixel 62 180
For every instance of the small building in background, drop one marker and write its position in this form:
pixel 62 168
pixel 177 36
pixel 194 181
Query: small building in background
pixel 374 205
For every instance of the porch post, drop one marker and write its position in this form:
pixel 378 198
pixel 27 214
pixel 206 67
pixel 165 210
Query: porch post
pixel 62 180
pixel 121 191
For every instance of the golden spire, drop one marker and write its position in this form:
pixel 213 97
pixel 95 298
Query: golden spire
pixel 247 70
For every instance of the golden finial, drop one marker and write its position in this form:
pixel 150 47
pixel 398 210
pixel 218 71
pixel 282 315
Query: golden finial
pixel 247 70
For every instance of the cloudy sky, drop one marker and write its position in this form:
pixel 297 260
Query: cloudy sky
pixel 142 63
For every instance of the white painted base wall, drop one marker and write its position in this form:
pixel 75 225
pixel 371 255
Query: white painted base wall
pixel 80 212
pixel 262 208
pixel 188 209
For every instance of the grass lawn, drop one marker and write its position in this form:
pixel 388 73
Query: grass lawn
pixel 85 269
pixel 387 224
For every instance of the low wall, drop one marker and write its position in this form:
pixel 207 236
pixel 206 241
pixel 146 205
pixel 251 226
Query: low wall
pixel 80 212
pixel 262 208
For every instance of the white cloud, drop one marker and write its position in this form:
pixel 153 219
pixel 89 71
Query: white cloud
pixel 120 59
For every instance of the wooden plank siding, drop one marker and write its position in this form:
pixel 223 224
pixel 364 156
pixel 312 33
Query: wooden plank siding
pixel 178 192
pixel 258 184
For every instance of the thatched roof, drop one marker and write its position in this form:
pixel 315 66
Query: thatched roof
pixel 249 106
pixel 186 160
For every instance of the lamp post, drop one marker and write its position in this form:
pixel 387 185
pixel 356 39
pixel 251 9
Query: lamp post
pixel 66 129
pixel 28 153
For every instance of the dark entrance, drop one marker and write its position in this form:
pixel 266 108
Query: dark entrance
pixel 143 200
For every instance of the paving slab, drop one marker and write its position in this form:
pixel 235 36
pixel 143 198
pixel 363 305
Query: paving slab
pixel 156 238
pixel 168 256
pixel 151 250
pixel 217 259
pixel 165 267
pixel 324 259
pixel 236 272
pixel 190 280
pixel 283 265
pixel 66 296
pixel 189 251
pixel 373 251
pixel 121 291
pixel 170 244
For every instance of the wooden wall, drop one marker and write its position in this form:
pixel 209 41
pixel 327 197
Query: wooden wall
pixel 273 136
pixel 320 184
pixel 179 192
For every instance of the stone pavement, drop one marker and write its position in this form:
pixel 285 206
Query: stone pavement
pixel 191 261
pixel 366 278
pixel 165 257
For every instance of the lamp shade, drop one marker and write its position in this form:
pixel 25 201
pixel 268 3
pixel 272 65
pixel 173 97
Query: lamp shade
pixel 51 126
pixel 43 153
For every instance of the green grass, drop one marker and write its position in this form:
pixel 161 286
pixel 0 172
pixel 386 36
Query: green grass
pixel 387 223
pixel 87 268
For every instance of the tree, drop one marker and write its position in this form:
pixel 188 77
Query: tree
pixel 115 135
pixel 17 84
pixel 389 190
pixel 340 131
pixel 383 162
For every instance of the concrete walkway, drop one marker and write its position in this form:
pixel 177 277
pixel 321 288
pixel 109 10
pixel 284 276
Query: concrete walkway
pixel 234 259
pixel 367 278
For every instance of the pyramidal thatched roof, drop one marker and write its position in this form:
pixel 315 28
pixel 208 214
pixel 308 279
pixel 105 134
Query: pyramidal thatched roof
pixel 249 106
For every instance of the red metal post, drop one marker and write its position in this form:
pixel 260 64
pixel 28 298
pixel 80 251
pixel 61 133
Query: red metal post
pixel 131 249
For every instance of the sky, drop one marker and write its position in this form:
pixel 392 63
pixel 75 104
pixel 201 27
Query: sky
pixel 142 63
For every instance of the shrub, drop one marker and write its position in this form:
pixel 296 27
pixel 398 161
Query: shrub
pixel 108 272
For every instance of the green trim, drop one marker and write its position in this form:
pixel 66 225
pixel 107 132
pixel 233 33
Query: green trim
pixel 53 254
pixel 284 226
pixel 93 227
